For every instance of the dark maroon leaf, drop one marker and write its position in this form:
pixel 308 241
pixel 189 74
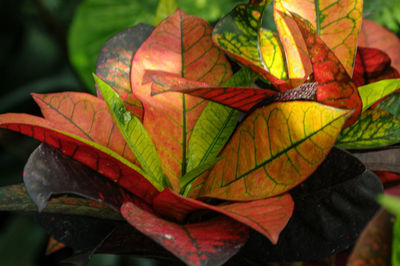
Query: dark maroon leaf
pixel 114 63
pixel 331 208
pixel 49 172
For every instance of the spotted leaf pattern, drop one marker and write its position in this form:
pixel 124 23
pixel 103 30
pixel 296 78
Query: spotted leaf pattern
pixel 91 154
pixel 335 87
pixel 374 128
pixel 210 242
pixel 181 45
pixel 271 152
pixel 336 22
pixel 267 216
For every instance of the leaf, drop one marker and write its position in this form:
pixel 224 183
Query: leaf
pixel 53 246
pixel 15 198
pixel 297 59
pixel 388 178
pixel 375 36
pixel 280 152
pixel 385 160
pixel 373 245
pixel 211 242
pixel 391 104
pixel 95 156
pixel 391 203
pixel 114 64
pixel 135 135
pixel 240 35
pixel 48 172
pixel 267 216
pixel 337 23
pixel 83 115
pixel 371 93
pixel 180 45
pixel 372 65
pixel 164 9
pixel 94 22
pixel 374 129
pixel 331 208
pixel 396 243
pixel 335 87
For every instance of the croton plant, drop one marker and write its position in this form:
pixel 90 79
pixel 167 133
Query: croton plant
pixel 225 140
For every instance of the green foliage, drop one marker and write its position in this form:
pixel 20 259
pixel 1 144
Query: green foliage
pixel 386 13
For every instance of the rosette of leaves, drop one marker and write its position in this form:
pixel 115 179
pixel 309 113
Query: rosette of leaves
pixel 185 172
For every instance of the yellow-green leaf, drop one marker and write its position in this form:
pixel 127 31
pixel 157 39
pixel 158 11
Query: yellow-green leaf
pixel 164 9
pixel 371 93
pixel 374 128
pixel 275 148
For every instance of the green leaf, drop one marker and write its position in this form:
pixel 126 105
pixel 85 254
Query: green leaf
pixel 164 9
pixel 215 125
pixel 396 241
pixel 391 104
pixel 374 128
pixel 15 198
pixel 391 203
pixel 371 93
pixel 135 135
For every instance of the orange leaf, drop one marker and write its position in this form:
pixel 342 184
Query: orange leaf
pixel 181 45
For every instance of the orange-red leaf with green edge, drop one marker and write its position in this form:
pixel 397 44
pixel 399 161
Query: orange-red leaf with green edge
pixel 275 148
pixel 114 64
pixel 336 22
pixel 240 35
pixel 267 216
pixel 210 242
pixel 372 65
pixel 53 246
pixel 237 97
pixel 181 45
pixel 375 36
pixel 297 60
pixel 84 115
pixel 93 155
pixel 335 87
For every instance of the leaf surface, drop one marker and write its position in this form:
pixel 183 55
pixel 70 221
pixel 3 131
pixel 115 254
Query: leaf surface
pixel 384 160
pixel 211 242
pixel 181 45
pixel 336 22
pixel 135 135
pixel 375 36
pixel 371 93
pixel 374 128
pixel 272 152
pixel 267 216
pixel 335 87
pixel 372 65
pixel 391 104
pixel 95 156
pixel 114 64
pixel 240 35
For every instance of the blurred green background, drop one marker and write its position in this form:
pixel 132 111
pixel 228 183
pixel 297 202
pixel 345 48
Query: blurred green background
pixel 52 45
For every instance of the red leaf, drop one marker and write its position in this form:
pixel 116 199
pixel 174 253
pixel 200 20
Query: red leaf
pixel 388 178
pixel 84 115
pixel 335 86
pixel 211 242
pixel 239 98
pixel 267 216
pixel 375 36
pixel 372 65
pixel 87 152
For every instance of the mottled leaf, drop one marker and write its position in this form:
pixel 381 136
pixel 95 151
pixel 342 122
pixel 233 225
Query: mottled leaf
pixel 210 242
pixel 15 198
pixel 114 64
pixel 371 93
pixel 375 36
pixel 385 160
pixel 83 115
pixel 336 22
pixel 373 245
pixel 272 151
pixel 135 135
pixel 48 172
pixel 335 87
pixel 331 208
pixel 374 129
pixel 267 216
pixel 181 45
pixel 240 35
pixel 372 65
pixel 91 154
pixel 391 104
